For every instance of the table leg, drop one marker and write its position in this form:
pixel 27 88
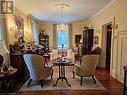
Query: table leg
pixel 57 81
pixel 66 81
pixel 45 59
pixel 5 85
pixel 61 75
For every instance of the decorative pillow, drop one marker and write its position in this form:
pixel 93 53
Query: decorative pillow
pixel 62 52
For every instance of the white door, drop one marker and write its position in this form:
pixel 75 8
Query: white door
pixel 122 54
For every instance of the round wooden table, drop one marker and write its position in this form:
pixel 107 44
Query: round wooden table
pixel 6 76
pixel 62 65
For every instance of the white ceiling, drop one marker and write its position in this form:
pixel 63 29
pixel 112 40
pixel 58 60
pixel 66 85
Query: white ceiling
pixel 45 10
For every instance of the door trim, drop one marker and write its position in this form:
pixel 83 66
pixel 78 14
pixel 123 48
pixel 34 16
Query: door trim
pixel 103 45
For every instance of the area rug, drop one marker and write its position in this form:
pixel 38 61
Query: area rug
pixel 87 84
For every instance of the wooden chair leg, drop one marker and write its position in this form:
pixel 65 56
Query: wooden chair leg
pixel 52 74
pixel 93 79
pixel 73 74
pixel 81 80
pixel 42 83
pixel 29 82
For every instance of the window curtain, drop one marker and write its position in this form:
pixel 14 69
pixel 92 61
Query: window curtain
pixel 35 31
pixel 29 33
pixel 70 35
pixel 3 32
pixel 4 37
pixel 54 36
pixel 2 28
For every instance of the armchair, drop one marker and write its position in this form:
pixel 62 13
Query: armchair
pixel 87 67
pixel 37 70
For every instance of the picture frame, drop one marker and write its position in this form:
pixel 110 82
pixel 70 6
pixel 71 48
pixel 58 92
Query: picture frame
pixel 96 40
pixel 77 39
pixel 20 27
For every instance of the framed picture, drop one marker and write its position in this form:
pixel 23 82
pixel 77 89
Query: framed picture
pixel 20 27
pixel 77 38
pixel 96 39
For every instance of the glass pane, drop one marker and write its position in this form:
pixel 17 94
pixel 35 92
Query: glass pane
pixel 63 39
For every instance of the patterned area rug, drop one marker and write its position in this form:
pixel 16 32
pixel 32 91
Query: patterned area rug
pixel 88 83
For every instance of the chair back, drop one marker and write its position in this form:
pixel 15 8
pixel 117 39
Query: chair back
pixel 35 65
pixel 89 63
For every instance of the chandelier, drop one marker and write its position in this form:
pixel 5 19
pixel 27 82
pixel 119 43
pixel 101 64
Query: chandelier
pixel 62 26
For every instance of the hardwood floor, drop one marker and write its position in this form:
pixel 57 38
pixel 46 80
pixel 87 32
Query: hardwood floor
pixel 113 87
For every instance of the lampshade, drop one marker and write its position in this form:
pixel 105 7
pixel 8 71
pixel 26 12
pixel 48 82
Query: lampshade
pixel 80 41
pixel 3 49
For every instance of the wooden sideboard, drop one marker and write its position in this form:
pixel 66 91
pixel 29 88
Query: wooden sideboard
pixel 17 61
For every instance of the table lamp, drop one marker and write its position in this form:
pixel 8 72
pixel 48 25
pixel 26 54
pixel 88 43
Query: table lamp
pixel 3 50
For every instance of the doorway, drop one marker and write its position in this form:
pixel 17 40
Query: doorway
pixel 108 45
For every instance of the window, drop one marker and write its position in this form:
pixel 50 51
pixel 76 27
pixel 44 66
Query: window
pixel 62 38
pixel 1 30
pixel 35 32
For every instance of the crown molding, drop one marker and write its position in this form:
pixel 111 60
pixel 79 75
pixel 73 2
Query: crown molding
pixel 103 9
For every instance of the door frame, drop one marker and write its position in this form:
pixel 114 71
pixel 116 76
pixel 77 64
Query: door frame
pixel 113 59
pixel 103 45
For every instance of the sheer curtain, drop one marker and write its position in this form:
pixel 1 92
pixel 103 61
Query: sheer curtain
pixel 3 32
pixel 35 32
pixel 3 36
pixel 29 26
pixel 1 29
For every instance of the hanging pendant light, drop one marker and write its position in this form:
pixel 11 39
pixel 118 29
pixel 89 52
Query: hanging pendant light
pixel 62 26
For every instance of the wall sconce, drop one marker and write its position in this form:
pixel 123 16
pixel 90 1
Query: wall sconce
pixel 115 33
pixel 13 28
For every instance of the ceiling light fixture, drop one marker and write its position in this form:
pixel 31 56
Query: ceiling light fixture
pixel 62 26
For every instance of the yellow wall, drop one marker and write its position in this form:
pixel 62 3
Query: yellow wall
pixel 48 29
pixel 77 29
pixel 10 21
pixel 118 11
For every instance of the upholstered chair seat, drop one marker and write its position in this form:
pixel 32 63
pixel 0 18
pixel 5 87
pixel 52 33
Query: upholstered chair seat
pixel 87 67
pixel 36 66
